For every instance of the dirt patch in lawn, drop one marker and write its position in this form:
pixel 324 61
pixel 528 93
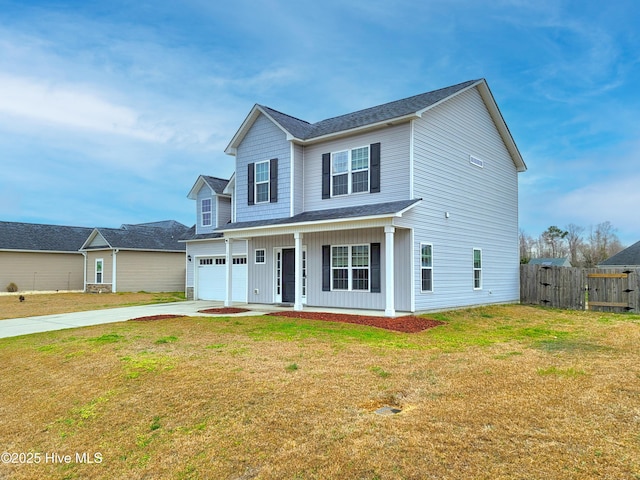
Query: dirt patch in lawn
pixel 408 324
pixel 224 310
pixel 150 318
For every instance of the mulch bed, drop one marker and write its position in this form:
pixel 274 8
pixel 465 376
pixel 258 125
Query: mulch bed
pixel 224 310
pixel 408 324
pixel 154 317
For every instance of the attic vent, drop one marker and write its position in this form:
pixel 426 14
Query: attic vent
pixel 476 161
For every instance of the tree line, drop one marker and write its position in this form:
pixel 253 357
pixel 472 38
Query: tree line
pixel 584 247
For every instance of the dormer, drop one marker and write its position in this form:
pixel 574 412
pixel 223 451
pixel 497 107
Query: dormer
pixel 213 205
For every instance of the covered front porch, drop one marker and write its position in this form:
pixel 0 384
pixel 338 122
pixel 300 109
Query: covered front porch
pixel 332 261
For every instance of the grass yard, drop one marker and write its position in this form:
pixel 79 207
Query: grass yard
pixel 504 392
pixel 48 304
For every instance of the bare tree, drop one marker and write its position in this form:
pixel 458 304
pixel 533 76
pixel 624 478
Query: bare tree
pixel 526 246
pixel 601 244
pixel 574 242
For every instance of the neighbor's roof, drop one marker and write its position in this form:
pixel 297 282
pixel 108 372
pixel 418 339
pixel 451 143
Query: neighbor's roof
pixel 411 107
pixel 40 237
pixel 140 237
pixel 552 262
pixel 630 256
pixel 344 213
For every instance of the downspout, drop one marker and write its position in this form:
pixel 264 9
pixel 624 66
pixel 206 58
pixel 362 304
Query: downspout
pixel 114 274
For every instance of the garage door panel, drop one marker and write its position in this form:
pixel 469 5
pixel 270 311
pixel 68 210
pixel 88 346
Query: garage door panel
pixel 211 282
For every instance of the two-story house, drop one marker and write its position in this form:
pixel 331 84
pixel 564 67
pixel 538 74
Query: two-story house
pixel 407 206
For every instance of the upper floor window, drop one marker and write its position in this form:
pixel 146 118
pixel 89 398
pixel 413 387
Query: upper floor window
pixel 350 171
pixel 262 182
pixel 206 212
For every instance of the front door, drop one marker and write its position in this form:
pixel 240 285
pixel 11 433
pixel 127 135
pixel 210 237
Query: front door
pixel 288 275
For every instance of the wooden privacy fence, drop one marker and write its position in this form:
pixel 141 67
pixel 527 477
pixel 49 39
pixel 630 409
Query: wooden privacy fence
pixel 605 290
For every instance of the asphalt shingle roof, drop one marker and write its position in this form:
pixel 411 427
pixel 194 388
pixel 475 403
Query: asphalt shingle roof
pixel 217 184
pixel 388 111
pixel 145 237
pixel 629 256
pixel 377 209
pixel 39 237
pixel 192 235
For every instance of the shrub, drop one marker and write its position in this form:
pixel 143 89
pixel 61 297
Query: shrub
pixel 12 287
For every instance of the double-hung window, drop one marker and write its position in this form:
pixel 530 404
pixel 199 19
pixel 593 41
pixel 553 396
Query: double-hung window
pixel 206 212
pixel 350 171
pixel 426 266
pixel 262 182
pixel 350 267
pixel 477 268
pixel 99 267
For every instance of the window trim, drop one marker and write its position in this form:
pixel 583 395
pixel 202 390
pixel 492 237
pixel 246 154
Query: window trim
pixel 350 268
pixel 101 262
pixel 350 171
pixel 203 212
pixel 256 182
pixel 477 269
pixel 422 267
pixel 264 256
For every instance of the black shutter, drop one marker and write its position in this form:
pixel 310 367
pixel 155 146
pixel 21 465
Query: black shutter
pixel 374 152
pixel 326 175
pixel 250 184
pixel 375 268
pixel 273 179
pixel 326 268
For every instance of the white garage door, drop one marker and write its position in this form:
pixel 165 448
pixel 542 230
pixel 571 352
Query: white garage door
pixel 211 275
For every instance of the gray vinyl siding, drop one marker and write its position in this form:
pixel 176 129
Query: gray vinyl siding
pixel 210 249
pixel 42 271
pixel 298 193
pixel 262 276
pixel 263 141
pixel 223 205
pixel 482 204
pixel 150 271
pixel 205 192
pixel 394 168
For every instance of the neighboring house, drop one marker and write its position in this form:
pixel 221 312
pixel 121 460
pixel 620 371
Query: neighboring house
pixel 40 257
pixel 551 262
pixel 409 206
pixel 142 257
pixel 627 258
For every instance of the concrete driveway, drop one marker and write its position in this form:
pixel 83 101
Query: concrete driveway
pixel 45 323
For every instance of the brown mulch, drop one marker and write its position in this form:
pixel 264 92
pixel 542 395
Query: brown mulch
pixel 408 324
pixel 224 310
pixel 154 317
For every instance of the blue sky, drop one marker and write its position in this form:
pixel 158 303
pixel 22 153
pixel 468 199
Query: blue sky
pixel 110 110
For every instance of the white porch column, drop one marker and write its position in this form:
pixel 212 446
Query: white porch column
pixel 390 307
pixel 228 243
pixel 297 304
